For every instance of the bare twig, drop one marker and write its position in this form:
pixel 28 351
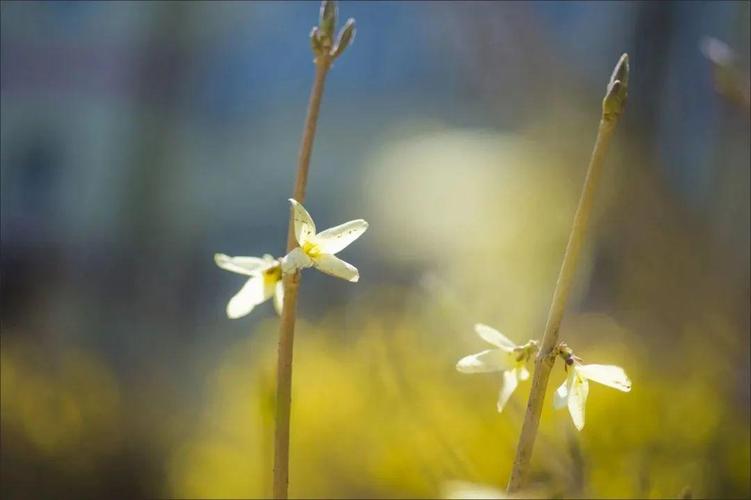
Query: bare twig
pixel 325 51
pixel 612 108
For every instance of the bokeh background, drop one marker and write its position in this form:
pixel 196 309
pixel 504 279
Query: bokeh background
pixel 138 138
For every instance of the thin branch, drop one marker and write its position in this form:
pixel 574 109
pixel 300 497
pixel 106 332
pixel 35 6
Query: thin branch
pixel 612 108
pixel 291 287
pixel 326 49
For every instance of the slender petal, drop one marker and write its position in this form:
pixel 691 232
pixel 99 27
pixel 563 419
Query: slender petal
pixel 279 297
pixel 250 295
pixel 493 336
pixel 577 399
pixel 269 259
pixel 296 260
pixel 240 265
pixel 507 388
pixel 609 375
pixel 523 373
pixel 491 360
pixel 337 238
pixel 334 266
pixel 305 228
pixel 269 288
pixel 560 398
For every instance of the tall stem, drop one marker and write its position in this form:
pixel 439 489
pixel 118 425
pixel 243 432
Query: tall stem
pixel 612 109
pixel 306 143
pixel 291 287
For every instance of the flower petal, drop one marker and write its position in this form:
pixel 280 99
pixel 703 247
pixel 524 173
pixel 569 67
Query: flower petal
pixel 577 399
pixel 493 336
pixel 269 288
pixel 609 375
pixel 491 360
pixel 335 266
pixel 507 388
pixel 523 372
pixel 305 228
pixel 279 297
pixel 295 260
pixel 240 265
pixel 269 259
pixel 250 295
pixel 339 237
pixel 560 398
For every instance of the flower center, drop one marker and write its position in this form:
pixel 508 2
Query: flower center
pixel 311 249
pixel 272 274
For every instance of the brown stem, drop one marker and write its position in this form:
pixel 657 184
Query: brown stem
pixel 548 349
pixel 291 287
pixel 306 144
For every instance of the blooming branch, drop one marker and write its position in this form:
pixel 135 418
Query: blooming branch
pixel 317 250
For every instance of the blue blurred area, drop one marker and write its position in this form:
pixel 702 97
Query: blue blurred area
pixel 139 138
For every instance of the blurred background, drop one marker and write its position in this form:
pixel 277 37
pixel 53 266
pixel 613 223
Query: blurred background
pixel 138 139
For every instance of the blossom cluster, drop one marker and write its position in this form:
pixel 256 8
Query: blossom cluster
pixel 265 280
pixel 266 274
pixel 511 360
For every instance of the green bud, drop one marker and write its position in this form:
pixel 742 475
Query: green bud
pixel 615 99
pixel 620 72
pixel 346 36
pixel 327 18
pixel 315 41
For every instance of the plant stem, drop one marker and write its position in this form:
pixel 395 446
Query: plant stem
pixel 306 144
pixel 612 108
pixel 291 287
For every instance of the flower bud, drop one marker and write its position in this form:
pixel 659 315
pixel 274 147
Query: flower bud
pixel 315 41
pixel 346 36
pixel 615 98
pixel 327 18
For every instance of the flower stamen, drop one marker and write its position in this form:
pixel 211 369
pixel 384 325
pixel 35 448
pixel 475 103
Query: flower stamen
pixel 311 249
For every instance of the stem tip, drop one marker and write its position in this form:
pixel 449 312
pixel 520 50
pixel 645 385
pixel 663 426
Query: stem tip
pixel 615 98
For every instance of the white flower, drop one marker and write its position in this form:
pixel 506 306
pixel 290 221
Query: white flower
pixel 317 250
pixel 508 358
pixel 573 392
pixel 265 281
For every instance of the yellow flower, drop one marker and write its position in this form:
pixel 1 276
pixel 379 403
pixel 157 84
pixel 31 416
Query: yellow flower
pixel 573 392
pixel 317 250
pixel 508 358
pixel 265 282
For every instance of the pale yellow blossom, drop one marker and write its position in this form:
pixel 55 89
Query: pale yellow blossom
pixel 264 282
pixel 507 357
pixel 318 249
pixel 573 392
